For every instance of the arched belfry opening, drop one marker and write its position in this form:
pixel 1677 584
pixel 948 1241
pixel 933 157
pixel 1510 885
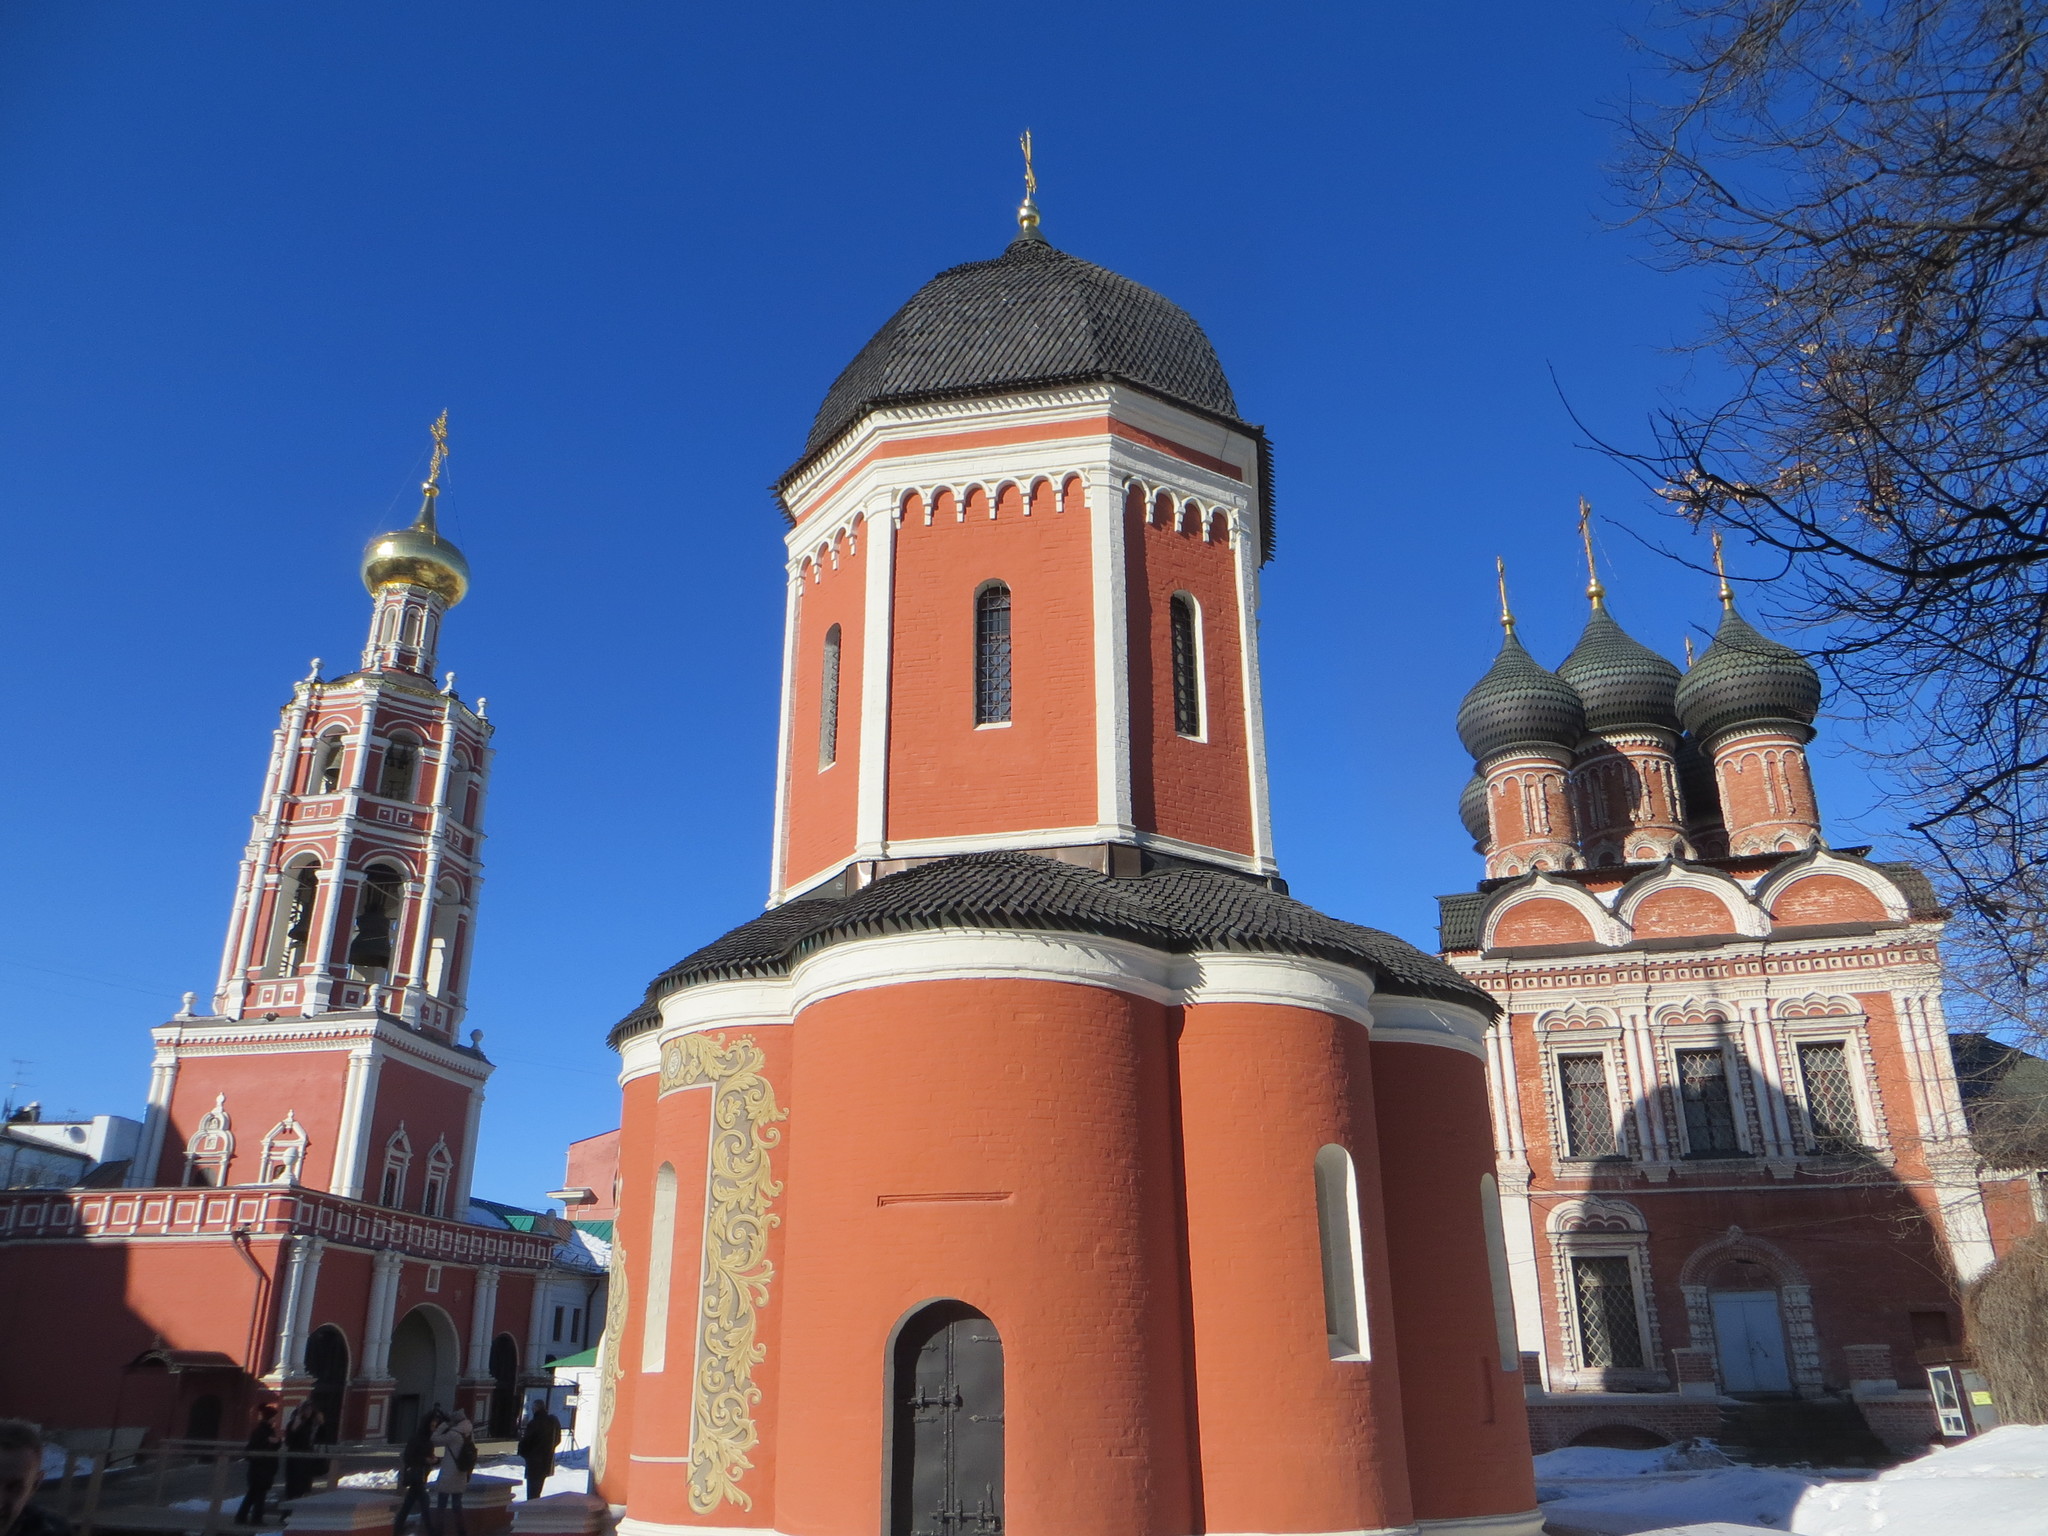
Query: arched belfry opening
pixel 945 1423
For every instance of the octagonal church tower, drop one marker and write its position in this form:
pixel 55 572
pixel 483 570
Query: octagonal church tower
pixel 1035 1164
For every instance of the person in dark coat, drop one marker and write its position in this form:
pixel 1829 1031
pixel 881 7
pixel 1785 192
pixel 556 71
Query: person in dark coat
pixel 537 1447
pixel 260 1452
pixel 21 1473
pixel 301 1467
pixel 415 1462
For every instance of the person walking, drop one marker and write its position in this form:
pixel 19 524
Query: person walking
pixel 260 1452
pixel 415 1462
pixel 300 1465
pixel 458 1459
pixel 537 1447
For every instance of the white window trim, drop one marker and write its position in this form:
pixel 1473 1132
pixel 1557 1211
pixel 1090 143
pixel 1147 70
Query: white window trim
pixel 661 1246
pixel 1607 1045
pixel 1351 1230
pixel 1706 1036
pixel 1851 1032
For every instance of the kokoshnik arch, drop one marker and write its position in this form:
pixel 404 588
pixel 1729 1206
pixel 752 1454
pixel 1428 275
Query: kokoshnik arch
pixel 1035 1163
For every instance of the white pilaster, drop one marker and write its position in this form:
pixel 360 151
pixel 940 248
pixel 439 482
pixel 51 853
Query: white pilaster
pixel 357 1097
pixel 537 1324
pixel 156 1119
pixel 483 1313
pixel 878 627
pixel 471 1121
pixel 1110 612
pixel 385 1271
pixel 778 856
pixel 295 1316
pixel 1244 543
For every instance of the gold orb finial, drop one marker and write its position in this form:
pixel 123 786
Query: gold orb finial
pixel 418 556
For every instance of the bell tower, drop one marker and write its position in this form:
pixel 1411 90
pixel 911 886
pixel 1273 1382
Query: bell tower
pixel 349 937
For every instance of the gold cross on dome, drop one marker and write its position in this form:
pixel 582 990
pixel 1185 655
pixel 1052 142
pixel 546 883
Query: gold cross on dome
pixel 440 431
pixel 1030 175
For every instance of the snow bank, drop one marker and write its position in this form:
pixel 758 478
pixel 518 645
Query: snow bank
pixel 1994 1485
pixel 1752 1496
pixel 1599 1461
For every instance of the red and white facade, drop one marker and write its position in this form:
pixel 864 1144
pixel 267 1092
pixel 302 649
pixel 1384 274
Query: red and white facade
pixel 1216 1217
pixel 294 1217
pixel 1732 1150
pixel 1098 503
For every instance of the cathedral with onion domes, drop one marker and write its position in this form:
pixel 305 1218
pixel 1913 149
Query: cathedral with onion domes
pixel 1734 1160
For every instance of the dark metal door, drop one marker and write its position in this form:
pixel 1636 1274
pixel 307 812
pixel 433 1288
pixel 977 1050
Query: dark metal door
pixel 948 1430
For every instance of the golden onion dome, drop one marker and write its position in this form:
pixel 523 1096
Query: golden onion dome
pixel 419 557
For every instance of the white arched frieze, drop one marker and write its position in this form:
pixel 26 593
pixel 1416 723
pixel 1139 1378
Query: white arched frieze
pixel 1547 887
pixel 1745 916
pixel 1820 862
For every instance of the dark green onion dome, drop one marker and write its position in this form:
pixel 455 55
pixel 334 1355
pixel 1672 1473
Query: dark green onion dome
pixel 1519 703
pixel 1622 682
pixel 1747 680
pixel 1472 809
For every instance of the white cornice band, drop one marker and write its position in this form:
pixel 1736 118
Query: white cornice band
pixel 1086 960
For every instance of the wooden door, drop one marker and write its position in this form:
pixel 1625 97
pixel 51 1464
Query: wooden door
pixel 947 1425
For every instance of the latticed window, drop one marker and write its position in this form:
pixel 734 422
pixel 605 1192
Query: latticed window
pixel 1187 666
pixel 1610 1334
pixel 1588 1116
pixel 1830 1101
pixel 992 654
pixel 1709 1105
pixel 828 702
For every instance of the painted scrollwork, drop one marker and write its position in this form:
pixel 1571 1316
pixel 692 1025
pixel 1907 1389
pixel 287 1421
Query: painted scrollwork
pixel 737 1219
pixel 609 1370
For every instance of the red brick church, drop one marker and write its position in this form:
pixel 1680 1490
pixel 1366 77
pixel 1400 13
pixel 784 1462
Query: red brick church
pixel 1733 1151
pixel 296 1220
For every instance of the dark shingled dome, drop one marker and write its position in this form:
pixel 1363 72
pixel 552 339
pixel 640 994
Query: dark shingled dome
pixel 1472 808
pixel 1519 703
pixel 1034 315
pixel 1174 910
pixel 1747 680
pixel 1622 682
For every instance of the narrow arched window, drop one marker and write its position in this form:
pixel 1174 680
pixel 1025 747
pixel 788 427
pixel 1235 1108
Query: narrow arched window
pixel 828 702
pixel 992 655
pixel 1343 1255
pixel 1186 621
pixel 661 1244
pixel 401 758
pixel 378 904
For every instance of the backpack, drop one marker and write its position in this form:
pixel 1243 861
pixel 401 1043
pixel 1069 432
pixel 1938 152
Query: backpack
pixel 465 1455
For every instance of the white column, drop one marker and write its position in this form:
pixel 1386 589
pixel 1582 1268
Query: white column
pixel 871 830
pixel 1110 611
pixel 346 1177
pixel 415 1000
pixel 463 1175
pixel 149 1151
pixel 483 1313
pixel 255 873
pixel 537 1324
pixel 781 834
pixel 1244 540
pixel 385 1271
pixel 295 1316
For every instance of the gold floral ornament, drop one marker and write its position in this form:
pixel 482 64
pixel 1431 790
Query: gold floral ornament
pixel 737 1219
pixel 609 1346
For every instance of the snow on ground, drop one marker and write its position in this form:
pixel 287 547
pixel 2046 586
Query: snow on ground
pixel 1994 1485
pixel 1758 1497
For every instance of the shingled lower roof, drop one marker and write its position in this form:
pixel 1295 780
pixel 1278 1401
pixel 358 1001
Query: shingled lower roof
pixel 1178 911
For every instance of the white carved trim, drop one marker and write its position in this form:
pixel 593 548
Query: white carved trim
pixel 1545 887
pixel 1746 917
pixel 1821 862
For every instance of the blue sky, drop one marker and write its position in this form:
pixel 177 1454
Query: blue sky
pixel 247 251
